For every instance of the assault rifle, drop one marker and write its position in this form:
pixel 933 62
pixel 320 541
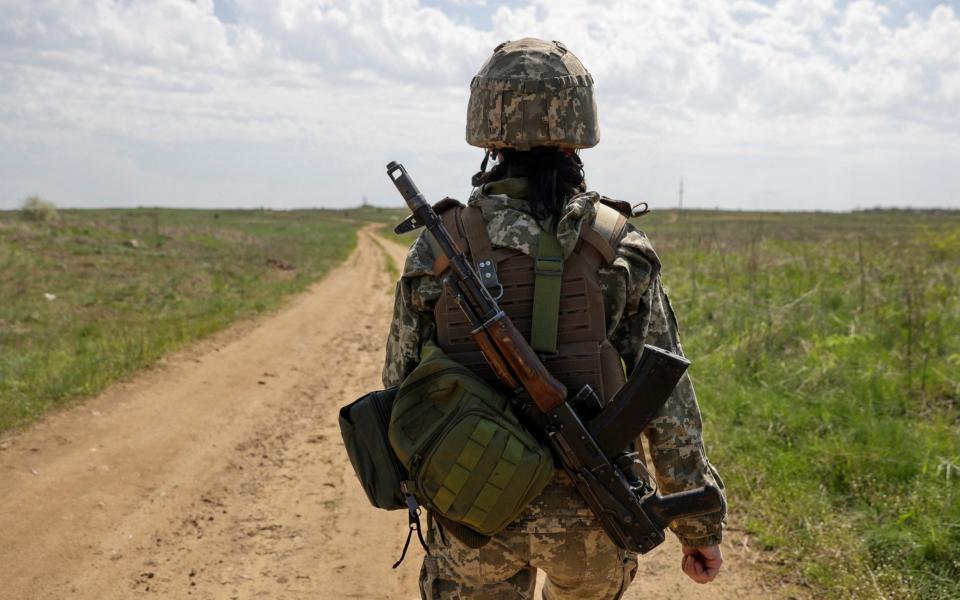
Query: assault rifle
pixel 590 442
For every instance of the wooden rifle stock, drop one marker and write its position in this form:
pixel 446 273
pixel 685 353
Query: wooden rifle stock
pixel 515 362
pixel 495 360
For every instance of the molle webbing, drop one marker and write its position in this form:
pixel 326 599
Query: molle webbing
pixel 491 454
pixel 583 354
pixel 467 456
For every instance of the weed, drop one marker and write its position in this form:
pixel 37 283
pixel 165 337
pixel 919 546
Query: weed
pixel 825 350
pixel 37 209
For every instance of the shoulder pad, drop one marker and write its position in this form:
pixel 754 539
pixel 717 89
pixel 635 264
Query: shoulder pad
pixel 610 223
pixel 621 206
pixel 445 205
pixel 606 230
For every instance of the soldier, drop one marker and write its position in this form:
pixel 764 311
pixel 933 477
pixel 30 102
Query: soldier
pixel 532 106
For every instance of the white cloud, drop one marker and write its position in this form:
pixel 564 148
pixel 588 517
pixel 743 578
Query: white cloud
pixel 752 99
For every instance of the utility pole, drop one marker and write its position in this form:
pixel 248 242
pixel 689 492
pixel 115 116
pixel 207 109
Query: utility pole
pixel 681 199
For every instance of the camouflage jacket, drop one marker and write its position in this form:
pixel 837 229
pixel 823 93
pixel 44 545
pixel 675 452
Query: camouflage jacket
pixel 637 312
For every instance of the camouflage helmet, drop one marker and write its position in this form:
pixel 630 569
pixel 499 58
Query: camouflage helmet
pixel 532 93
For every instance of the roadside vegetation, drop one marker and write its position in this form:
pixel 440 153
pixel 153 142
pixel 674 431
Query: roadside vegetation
pixel 826 355
pixel 89 296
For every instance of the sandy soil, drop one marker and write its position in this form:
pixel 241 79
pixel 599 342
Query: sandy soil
pixel 220 473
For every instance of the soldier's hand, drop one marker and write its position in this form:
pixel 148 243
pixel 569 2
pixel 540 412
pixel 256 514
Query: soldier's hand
pixel 701 564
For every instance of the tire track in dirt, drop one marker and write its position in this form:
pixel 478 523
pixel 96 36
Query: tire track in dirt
pixel 220 473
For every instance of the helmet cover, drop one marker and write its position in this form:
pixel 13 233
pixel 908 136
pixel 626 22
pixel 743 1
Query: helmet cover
pixel 532 93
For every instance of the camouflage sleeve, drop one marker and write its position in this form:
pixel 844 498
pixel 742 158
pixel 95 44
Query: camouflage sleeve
pixel 413 322
pixel 675 435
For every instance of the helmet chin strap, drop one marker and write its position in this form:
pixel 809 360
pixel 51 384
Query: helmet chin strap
pixel 477 179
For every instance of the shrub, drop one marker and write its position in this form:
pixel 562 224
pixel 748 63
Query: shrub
pixel 36 208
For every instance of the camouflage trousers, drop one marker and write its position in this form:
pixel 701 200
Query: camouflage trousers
pixel 557 534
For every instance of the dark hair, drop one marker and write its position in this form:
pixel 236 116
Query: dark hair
pixel 553 176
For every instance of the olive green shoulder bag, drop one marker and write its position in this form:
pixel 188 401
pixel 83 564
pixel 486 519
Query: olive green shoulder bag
pixel 468 458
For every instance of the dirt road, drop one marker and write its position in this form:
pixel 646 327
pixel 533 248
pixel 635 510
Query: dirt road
pixel 220 473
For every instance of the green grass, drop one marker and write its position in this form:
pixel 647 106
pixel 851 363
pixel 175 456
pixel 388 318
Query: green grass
pixel 119 308
pixel 826 355
pixel 389 263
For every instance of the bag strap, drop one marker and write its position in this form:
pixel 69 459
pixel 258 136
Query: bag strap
pixel 413 521
pixel 603 234
pixel 547 281
pixel 451 220
pixel 548 275
pixel 481 250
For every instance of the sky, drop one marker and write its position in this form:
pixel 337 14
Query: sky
pixel 753 104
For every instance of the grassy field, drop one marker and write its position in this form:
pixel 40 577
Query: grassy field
pixel 97 294
pixel 826 355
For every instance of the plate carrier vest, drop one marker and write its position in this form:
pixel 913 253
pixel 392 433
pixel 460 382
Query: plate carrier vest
pixel 583 354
